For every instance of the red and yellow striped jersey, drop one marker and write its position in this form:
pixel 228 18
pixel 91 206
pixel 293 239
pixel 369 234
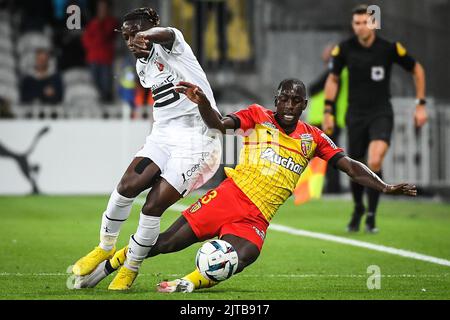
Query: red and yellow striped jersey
pixel 271 162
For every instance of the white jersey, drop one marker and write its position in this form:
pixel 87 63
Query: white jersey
pixel 163 69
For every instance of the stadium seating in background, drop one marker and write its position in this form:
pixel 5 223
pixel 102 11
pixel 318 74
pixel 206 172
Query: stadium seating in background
pixel 5 43
pixel 7 60
pixel 5 27
pixel 77 76
pixel 5 37
pixel 8 81
pixel 11 94
pixel 81 99
pixel 33 40
pixel 8 78
pixel 81 96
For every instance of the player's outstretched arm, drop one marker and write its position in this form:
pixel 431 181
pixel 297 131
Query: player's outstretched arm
pixel 361 174
pixel 160 35
pixel 212 119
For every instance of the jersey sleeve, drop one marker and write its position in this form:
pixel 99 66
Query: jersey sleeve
pixel 326 149
pixel 338 60
pixel 246 118
pixel 402 57
pixel 179 44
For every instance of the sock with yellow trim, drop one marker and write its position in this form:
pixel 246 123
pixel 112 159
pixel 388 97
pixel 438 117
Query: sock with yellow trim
pixel 199 281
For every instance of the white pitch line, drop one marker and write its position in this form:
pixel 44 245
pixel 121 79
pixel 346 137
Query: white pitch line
pixel 361 244
pixel 341 240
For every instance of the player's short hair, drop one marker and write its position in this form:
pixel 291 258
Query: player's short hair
pixel 360 9
pixel 107 2
pixel 40 50
pixel 148 14
pixel 291 82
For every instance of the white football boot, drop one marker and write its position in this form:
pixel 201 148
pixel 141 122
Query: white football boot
pixel 92 279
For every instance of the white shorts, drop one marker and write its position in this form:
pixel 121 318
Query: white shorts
pixel 187 157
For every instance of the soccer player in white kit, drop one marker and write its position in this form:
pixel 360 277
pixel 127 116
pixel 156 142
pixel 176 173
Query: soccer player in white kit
pixel 179 155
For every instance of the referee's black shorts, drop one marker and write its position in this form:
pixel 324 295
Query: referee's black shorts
pixel 362 130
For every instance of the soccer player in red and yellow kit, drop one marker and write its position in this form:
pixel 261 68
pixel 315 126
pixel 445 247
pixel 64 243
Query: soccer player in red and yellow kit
pixel 277 147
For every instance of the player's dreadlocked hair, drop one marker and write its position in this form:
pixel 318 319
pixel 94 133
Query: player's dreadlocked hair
pixel 148 14
pixel 291 82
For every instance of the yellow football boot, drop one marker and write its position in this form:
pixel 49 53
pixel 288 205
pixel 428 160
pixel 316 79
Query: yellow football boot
pixel 90 261
pixel 123 280
pixel 119 258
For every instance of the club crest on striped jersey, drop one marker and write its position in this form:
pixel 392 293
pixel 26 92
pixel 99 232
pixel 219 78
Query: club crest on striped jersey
pixel 306 147
pixel 306 143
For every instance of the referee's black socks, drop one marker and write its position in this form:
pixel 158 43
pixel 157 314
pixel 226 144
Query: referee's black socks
pixel 357 193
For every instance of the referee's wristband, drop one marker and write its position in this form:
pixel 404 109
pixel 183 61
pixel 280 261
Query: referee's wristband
pixel 421 102
pixel 329 106
pixel 329 103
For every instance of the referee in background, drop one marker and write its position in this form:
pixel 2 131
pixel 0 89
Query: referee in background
pixel 369 117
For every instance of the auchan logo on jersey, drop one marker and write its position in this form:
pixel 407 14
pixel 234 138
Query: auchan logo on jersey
pixel 288 163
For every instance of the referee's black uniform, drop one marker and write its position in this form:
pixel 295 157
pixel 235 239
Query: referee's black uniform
pixel 369 115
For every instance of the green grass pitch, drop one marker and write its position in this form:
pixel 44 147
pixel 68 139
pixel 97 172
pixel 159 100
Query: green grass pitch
pixel 41 236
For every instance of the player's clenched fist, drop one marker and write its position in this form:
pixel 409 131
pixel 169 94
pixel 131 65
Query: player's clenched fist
pixel 193 92
pixel 140 44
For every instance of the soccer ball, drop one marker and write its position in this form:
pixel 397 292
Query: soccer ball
pixel 216 260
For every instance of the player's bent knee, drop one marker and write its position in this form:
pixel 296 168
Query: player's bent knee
pixel 128 189
pixel 153 209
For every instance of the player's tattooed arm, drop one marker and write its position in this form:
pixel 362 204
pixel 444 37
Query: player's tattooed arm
pixel 361 174
pixel 211 118
pixel 159 35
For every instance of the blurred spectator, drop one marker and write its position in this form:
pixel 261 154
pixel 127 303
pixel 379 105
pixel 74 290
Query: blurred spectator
pixel 43 85
pixel 98 41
